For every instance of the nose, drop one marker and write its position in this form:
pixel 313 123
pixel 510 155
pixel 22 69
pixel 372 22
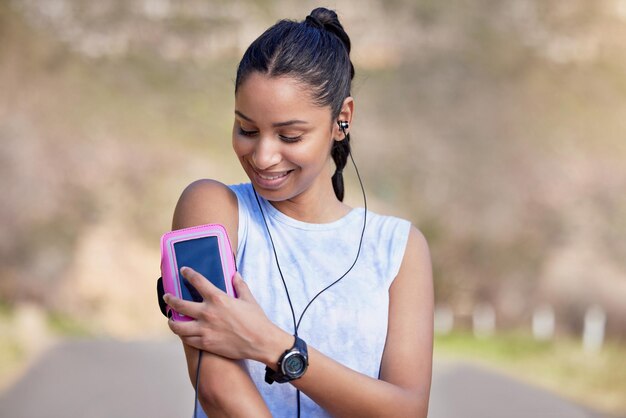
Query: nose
pixel 266 153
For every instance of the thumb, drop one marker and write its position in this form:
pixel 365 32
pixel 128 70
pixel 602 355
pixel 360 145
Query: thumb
pixel 242 289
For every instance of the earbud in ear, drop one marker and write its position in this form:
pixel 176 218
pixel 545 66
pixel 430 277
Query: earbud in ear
pixel 343 125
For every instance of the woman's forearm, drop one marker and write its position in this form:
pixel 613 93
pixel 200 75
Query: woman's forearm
pixel 224 387
pixel 346 393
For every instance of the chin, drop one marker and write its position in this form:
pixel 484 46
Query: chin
pixel 272 195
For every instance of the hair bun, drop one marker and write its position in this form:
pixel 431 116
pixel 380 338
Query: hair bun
pixel 329 21
pixel 326 16
pixel 315 22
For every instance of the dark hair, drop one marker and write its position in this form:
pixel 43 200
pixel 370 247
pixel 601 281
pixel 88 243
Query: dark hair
pixel 315 52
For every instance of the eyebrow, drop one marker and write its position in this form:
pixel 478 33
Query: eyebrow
pixel 275 125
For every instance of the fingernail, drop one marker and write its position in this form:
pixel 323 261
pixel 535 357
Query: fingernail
pixel 165 296
pixel 183 270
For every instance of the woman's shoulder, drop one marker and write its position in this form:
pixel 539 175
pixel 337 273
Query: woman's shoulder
pixel 389 224
pixel 207 201
pixel 207 197
pixel 411 237
pixel 206 186
pixel 416 265
pixel 398 237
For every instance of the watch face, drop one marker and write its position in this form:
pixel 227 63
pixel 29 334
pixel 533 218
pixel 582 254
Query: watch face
pixel 294 365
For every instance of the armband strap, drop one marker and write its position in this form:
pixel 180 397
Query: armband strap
pixel 160 293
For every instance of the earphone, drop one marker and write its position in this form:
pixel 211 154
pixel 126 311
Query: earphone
pixel 343 125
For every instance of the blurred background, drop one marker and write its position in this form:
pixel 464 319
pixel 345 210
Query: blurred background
pixel 497 127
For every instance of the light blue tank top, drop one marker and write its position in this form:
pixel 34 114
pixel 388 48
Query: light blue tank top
pixel 348 322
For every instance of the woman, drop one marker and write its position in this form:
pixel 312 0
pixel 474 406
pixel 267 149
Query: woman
pixel 343 290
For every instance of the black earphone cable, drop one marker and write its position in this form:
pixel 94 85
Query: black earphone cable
pixel 197 388
pixel 296 325
pixel 357 253
pixel 293 315
pixel 195 404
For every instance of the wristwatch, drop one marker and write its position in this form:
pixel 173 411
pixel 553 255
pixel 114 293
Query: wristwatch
pixel 291 365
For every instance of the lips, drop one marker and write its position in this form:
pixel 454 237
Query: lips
pixel 270 180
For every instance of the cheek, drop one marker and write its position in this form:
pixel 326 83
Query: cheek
pixel 312 156
pixel 322 150
pixel 241 147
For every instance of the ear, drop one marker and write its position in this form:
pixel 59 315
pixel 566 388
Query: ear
pixel 346 113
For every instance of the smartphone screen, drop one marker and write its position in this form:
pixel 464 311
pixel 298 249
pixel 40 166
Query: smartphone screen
pixel 202 255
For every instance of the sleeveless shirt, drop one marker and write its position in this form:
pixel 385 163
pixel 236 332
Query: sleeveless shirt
pixel 347 322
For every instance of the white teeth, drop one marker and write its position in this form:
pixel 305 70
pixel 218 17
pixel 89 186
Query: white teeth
pixel 273 177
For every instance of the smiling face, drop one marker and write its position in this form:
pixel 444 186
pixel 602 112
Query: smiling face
pixel 282 138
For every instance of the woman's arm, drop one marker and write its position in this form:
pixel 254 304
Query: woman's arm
pixel 226 389
pixel 239 329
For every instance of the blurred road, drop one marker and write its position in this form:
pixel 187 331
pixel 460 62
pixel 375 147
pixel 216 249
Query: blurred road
pixel 467 391
pixel 103 379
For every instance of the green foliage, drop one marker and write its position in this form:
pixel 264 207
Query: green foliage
pixel 65 325
pixel 503 348
pixel 11 354
pixel 561 365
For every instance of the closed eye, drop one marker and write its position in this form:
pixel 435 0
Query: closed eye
pixel 290 139
pixel 247 133
pixel 284 138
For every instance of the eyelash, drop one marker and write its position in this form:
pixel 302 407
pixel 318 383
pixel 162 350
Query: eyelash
pixel 288 139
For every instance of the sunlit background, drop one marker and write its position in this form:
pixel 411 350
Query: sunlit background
pixel 497 127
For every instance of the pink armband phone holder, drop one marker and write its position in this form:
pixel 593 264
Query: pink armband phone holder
pixel 204 248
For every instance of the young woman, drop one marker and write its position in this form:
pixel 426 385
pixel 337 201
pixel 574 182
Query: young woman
pixel 335 315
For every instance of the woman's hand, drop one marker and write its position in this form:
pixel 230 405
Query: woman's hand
pixel 235 328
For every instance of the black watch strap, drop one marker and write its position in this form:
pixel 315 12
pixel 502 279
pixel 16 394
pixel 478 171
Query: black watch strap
pixel 282 374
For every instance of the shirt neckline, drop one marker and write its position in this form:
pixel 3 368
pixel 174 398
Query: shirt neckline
pixel 353 215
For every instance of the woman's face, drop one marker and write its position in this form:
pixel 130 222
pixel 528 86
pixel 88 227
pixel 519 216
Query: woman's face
pixel 281 137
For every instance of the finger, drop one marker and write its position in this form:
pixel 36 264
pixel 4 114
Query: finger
pixel 242 289
pixel 199 282
pixel 184 329
pixel 185 307
pixel 193 341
